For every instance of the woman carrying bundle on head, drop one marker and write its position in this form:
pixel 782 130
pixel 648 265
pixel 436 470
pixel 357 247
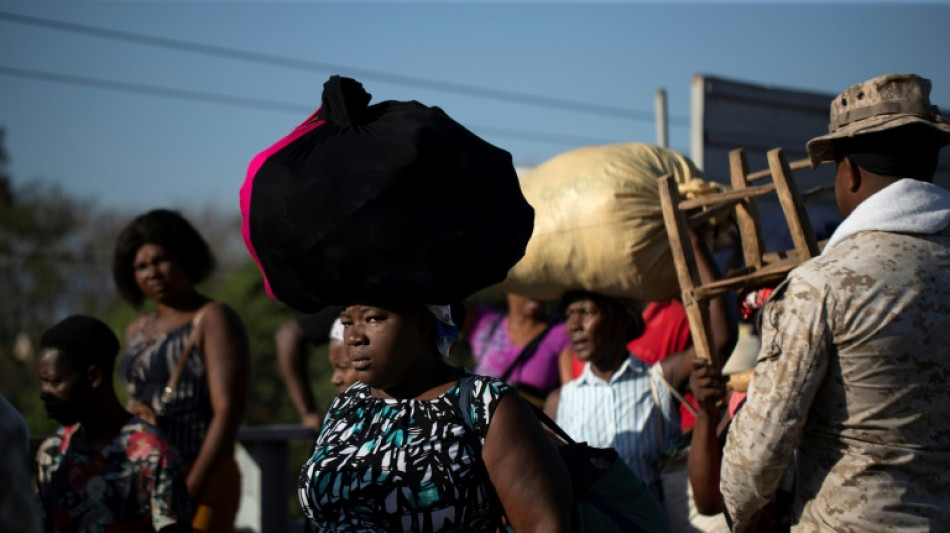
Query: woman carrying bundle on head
pixel 381 209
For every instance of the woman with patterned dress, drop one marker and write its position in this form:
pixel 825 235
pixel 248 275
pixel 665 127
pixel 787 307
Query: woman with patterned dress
pixel 394 455
pixel 160 256
pixel 383 209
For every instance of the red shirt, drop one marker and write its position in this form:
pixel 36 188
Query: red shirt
pixel 665 332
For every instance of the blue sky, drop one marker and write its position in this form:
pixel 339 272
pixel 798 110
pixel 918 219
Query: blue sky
pixel 130 150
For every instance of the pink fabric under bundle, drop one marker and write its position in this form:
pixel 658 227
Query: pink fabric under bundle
pixel 245 194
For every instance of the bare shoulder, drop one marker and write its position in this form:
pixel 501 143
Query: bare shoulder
pixel 512 416
pixel 552 402
pixel 216 314
pixel 220 329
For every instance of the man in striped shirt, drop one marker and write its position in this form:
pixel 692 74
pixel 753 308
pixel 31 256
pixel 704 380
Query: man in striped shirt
pixel 619 401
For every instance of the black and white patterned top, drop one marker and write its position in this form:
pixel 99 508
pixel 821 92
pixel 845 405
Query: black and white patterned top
pixel 400 465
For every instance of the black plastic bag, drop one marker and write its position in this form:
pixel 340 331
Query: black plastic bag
pixel 390 204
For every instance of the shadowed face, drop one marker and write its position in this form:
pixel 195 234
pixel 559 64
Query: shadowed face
pixel 386 348
pixel 343 372
pixel 596 332
pixel 64 388
pixel 524 306
pixel 158 275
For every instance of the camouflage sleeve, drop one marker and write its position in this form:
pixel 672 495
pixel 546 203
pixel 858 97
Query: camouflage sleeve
pixel 790 369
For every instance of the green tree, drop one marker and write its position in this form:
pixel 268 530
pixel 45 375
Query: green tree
pixel 49 268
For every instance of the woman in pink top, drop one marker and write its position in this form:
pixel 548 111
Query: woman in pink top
pixel 520 346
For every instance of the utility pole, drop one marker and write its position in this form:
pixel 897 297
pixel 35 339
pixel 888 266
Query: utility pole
pixel 662 137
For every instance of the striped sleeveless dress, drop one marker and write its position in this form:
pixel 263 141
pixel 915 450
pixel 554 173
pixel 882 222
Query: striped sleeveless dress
pixel 145 368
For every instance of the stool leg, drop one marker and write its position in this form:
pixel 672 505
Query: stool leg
pixel 799 225
pixel 747 217
pixel 697 312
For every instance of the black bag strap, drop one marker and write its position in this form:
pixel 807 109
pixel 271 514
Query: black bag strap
pixel 466 384
pixel 169 388
pixel 526 352
pixel 588 473
pixel 551 424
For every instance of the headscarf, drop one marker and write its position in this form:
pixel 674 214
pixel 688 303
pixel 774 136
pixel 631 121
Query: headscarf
pixel 447 330
pixel 336 330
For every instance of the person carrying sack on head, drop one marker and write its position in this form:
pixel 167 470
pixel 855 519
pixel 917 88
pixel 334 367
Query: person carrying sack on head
pixel 852 374
pixel 619 401
pixel 381 209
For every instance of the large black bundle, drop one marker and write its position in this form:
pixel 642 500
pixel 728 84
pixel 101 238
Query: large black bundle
pixel 389 203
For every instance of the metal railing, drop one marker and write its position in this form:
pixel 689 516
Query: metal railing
pixel 266 480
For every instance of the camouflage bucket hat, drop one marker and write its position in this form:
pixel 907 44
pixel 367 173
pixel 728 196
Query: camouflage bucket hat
pixel 879 104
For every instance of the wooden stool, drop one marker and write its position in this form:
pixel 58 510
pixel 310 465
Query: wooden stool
pixel 761 268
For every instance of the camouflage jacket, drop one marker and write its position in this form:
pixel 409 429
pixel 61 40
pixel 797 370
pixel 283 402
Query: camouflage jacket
pixel 853 375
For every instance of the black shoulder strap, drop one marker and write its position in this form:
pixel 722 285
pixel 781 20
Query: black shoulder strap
pixel 526 352
pixel 466 384
pixel 551 424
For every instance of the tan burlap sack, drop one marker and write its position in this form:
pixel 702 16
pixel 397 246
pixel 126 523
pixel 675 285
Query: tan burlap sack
pixel 598 223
